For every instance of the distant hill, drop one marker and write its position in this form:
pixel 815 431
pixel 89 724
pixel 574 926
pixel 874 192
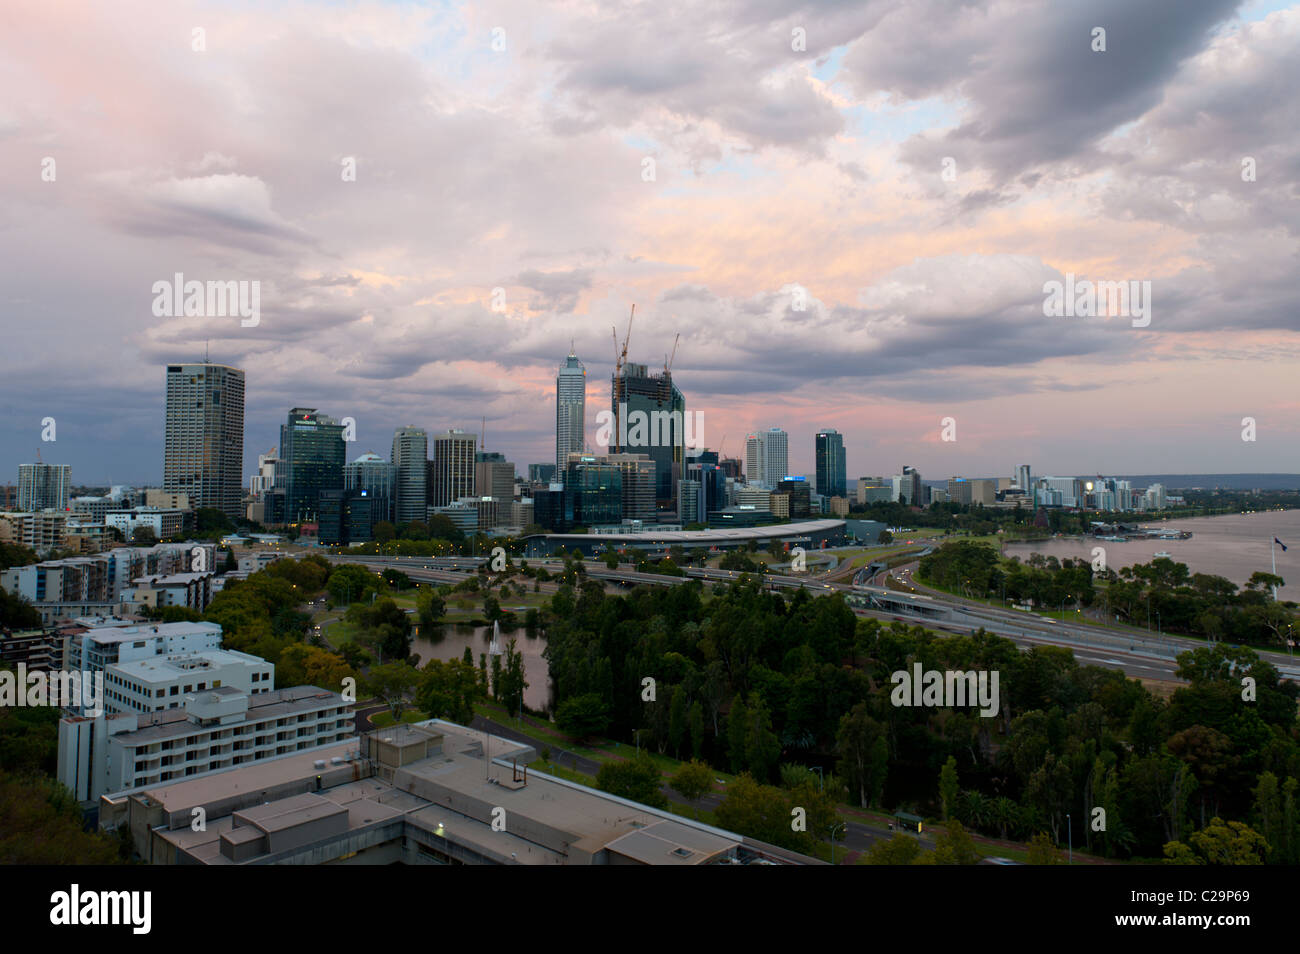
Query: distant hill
pixel 1210 481
pixel 1190 481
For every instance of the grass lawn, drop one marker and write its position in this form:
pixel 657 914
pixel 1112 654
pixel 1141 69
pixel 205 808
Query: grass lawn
pixel 384 719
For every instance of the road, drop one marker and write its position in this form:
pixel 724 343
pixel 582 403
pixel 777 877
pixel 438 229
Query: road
pixel 1137 653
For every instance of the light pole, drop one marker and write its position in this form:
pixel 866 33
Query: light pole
pixel 821 778
pixel 833 829
pixel 1070 828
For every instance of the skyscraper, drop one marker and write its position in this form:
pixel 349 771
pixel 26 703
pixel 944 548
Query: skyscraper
pixel 494 476
pixel 832 475
pixel 570 409
pixel 312 452
pixel 650 415
pixel 776 456
pixel 453 468
pixel 203 452
pixel 375 478
pixel 754 459
pixel 43 486
pixel 410 457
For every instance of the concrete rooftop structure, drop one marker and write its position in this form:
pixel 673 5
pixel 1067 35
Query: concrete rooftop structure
pixel 419 794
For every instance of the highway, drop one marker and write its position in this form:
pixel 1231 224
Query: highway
pixel 1138 654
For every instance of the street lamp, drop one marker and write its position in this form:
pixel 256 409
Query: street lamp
pixel 1070 828
pixel 833 829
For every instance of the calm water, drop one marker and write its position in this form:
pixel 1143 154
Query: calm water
pixel 449 641
pixel 1232 546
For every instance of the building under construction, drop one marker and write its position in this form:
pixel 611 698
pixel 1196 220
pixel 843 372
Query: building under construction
pixel 649 418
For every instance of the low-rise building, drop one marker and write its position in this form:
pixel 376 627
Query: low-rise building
pixel 216 729
pixel 187 590
pixel 155 683
pixel 429 793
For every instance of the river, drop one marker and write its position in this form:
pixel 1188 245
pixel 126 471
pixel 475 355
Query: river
pixel 449 640
pixel 1232 546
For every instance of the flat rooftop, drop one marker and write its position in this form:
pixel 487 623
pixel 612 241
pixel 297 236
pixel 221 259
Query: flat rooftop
pixel 127 634
pixel 445 795
pixel 172 723
pixel 162 668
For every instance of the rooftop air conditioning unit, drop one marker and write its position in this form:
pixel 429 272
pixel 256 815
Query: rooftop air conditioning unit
pixel 320 763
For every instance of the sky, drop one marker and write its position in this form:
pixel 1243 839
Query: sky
pixel 849 210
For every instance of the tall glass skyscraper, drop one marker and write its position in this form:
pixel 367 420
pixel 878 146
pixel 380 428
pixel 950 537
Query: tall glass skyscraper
pixel 312 451
pixel 570 409
pixel 410 457
pixel 203 451
pixel 376 479
pixel 832 475
pixel 650 413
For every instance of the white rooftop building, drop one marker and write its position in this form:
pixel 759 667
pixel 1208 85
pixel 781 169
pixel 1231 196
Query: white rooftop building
pixel 156 683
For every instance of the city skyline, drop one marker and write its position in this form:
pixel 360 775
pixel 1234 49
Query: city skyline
pixel 911 291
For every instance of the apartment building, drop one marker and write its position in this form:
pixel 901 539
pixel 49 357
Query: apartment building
pixel 155 683
pixel 211 731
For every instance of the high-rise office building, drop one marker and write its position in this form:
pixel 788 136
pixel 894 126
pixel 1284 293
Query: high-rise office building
pixel 800 497
pixel 410 457
pixel 776 456
pixel 494 476
pixel 203 452
pixel 592 495
pixel 376 479
pixel 754 460
pixel 638 479
pixel 570 409
pixel 453 467
pixel 908 485
pixel 43 487
pixel 542 473
pixel 267 477
pixel 649 414
pixel 1024 479
pixel 832 475
pixel 312 452
pixel 712 480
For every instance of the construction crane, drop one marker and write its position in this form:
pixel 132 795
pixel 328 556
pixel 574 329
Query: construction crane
pixel 620 359
pixel 668 359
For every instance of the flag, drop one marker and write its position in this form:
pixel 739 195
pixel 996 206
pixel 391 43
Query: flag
pixel 1280 543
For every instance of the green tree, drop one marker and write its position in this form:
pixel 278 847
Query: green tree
pixel 1042 851
pixel 393 684
pixel 677 721
pixel 737 733
pixel 448 690
pixel 954 847
pixel 1219 843
pixel 583 716
pixel 637 779
pixel 948 787
pixel 864 754
pixel 695 718
pixel 902 849
pixel 693 780
pixel 762 747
